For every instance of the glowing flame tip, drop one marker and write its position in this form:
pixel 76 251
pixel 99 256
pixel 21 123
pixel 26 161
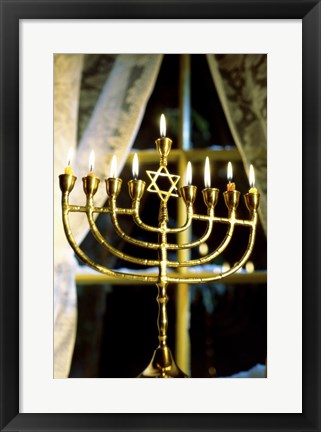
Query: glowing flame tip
pixel 135 166
pixel 92 161
pixel 252 177
pixel 207 173
pixel 162 126
pixel 189 174
pixel 113 167
pixel 229 172
pixel 70 155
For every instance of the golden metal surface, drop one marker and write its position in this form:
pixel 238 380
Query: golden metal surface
pixel 210 196
pixel 257 277
pixel 196 155
pixel 136 189
pixel 162 364
pixel 163 146
pixel 90 185
pixel 162 171
pixel 188 193
pixel 113 186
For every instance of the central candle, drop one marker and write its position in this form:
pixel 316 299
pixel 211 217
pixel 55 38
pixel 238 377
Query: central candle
pixel 163 144
pixel 162 126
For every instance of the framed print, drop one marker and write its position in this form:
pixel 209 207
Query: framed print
pixel 35 36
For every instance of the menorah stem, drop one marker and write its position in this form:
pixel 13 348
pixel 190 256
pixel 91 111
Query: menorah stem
pixel 163 214
pixel 162 298
pixel 162 364
pixel 162 321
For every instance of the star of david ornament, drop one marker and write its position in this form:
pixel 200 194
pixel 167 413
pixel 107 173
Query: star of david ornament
pixel 162 173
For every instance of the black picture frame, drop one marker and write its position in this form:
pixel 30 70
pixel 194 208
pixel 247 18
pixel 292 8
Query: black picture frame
pixel 11 12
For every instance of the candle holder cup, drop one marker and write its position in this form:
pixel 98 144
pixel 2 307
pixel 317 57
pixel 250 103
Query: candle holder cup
pixel 67 182
pixel 113 186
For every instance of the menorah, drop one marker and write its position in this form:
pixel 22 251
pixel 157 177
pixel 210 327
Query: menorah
pixel 162 364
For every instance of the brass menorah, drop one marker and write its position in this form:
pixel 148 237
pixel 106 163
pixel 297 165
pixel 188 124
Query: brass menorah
pixel 162 364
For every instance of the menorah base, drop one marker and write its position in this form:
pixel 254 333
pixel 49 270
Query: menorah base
pixel 162 365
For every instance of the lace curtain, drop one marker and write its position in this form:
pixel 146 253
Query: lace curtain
pixel 103 112
pixel 241 83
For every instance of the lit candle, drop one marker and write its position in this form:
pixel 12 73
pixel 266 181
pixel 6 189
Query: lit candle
pixel 68 169
pixel 113 183
pixel 252 180
pixel 188 192
pixel 207 173
pixel 113 167
pixel 136 187
pixel 189 174
pixel 230 185
pixel 135 168
pixel 162 126
pixel 91 163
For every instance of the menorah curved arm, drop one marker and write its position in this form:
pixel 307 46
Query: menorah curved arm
pixel 84 209
pixel 146 227
pixel 232 270
pixel 97 235
pixel 187 224
pixel 79 252
pixel 139 222
pixel 129 239
pixel 210 220
pixel 200 261
pixel 205 236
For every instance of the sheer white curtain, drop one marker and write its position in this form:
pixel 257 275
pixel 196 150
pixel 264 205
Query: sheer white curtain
pixel 241 83
pixel 111 129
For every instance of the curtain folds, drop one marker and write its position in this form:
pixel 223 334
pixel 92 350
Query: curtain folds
pixel 111 105
pixel 241 83
pixel 67 78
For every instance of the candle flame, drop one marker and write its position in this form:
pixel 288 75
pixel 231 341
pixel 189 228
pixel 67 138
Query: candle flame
pixel 70 155
pixel 135 166
pixel 189 174
pixel 207 173
pixel 252 177
pixel 162 126
pixel 229 172
pixel 113 167
pixel 92 161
